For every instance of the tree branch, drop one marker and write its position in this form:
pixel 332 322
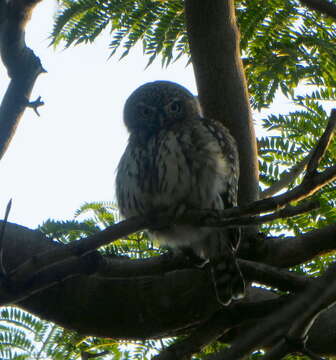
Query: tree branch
pixel 29 270
pixel 219 324
pixel 311 162
pixel 22 64
pixel 291 251
pixel 213 34
pixel 158 301
pixel 269 275
pixel 43 270
pixel 307 188
pixel 286 178
pixel 323 295
pixel 2 233
pixel 322 6
pixel 321 146
pixel 277 324
pixel 215 218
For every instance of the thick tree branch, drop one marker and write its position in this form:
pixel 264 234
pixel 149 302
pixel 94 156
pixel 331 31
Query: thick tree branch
pixel 160 301
pixel 276 325
pixel 27 270
pixel 44 269
pixel 22 65
pixel 271 276
pixel 291 251
pixel 213 34
pixel 323 6
pixel 219 324
pixel 323 295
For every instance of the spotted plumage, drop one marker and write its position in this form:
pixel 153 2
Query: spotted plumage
pixel 177 160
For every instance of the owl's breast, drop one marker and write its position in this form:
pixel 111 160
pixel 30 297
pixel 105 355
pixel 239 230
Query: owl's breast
pixel 183 166
pixel 153 176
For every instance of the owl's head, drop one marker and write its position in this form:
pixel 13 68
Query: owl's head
pixel 157 105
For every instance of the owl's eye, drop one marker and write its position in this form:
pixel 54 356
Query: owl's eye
pixel 175 107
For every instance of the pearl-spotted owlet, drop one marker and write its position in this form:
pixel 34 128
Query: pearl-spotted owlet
pixel 177 160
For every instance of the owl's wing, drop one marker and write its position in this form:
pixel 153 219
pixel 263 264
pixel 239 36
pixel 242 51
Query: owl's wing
pixel 229 150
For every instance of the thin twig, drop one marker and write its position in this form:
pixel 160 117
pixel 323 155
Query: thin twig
pixel 286 178
pixel 217 218
pixel 2 233
pixel 35 105
pixel 321 146
pixel 310 162
pixel 302 191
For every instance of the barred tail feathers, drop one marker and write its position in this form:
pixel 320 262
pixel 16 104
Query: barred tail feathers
pixel 226 275
pixel 227 279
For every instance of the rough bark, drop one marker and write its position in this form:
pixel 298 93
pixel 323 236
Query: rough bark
pixel 214 46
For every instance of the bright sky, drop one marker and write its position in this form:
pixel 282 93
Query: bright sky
pixel 69 155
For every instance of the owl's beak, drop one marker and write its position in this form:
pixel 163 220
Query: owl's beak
pixel 162 119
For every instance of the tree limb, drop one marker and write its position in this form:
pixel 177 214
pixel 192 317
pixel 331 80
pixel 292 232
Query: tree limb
pixel 286 178
pixel 307 188
pixel 157 302
pixel 323 6
pixel 219 324
pixel 44 269
pixel 22 64
pixel 269 275
pixel 323 296
pixel 222 88
pixel 2 232
pixel 321 146
pixel 291 251
pixel 215 218
pixel 291 313
pixel 310 162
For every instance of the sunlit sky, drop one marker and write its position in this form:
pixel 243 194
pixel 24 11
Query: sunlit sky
pixel 69 154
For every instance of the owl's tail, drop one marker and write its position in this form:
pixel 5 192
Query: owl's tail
pixel 227 278
pixel 219 247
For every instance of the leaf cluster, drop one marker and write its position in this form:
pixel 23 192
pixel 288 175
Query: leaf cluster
pixel 294 136
pixel 159 25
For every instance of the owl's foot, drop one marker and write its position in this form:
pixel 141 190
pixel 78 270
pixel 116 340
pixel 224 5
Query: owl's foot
pixel 227 278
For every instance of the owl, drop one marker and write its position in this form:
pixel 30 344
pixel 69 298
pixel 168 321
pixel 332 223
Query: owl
pixel 177 160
